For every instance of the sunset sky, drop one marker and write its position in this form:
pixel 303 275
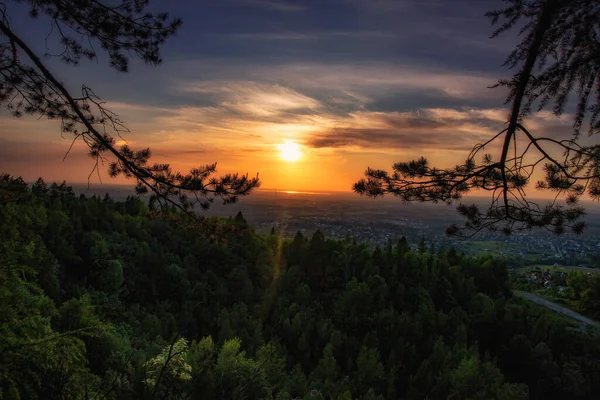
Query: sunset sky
pixel 306 93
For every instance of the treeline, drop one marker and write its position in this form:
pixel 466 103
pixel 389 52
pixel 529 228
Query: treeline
pixel 107 300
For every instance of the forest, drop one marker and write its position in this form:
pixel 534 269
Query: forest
pixel 115 300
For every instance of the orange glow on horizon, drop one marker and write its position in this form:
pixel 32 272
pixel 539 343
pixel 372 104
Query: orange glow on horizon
pixel 294 142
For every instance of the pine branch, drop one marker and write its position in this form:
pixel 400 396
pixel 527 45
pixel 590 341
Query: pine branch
pixel 36 91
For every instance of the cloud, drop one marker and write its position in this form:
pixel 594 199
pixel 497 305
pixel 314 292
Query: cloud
pixel 273 5
pixel 334 88
pixel 271 113
pixel 387 6
pixel 361 34
pixel 243 121
pixel 344 77
pixel 253 98
pixel 384 86
pixel 270 36
pixel 424 129
pixel 373 80
pixel 244 112
pixel 267 113
pixel 324 105
pixel 309 35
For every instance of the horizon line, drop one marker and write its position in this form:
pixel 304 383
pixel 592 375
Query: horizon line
pixel 97 185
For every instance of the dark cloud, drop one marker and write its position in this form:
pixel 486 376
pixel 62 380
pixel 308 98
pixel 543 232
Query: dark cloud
pixel 414 99
pixel 389 139
pixel 273 5
pixel 365 137
pixel 442 129
pixel 400 121
pixel 433 129
pixel 451 35
pixel 271 36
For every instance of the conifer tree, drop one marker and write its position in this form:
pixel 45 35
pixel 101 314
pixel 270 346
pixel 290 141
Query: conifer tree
pixel 422 246
pixel 558 58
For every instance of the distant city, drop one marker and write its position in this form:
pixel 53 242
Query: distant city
pixel 376 221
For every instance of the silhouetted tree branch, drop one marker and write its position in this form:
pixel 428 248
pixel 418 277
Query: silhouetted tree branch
pixel 123 30
pixel 552 31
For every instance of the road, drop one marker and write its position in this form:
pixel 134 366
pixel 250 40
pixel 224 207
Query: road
pixel 558 308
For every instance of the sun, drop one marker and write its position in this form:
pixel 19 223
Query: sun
pixel 289 151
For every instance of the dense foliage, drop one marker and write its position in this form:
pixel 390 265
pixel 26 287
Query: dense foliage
pixel 100 300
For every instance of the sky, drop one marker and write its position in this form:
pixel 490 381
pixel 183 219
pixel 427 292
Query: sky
pixel 307 94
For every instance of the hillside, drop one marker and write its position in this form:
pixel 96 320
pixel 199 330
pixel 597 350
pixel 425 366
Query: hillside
pixel 111 300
